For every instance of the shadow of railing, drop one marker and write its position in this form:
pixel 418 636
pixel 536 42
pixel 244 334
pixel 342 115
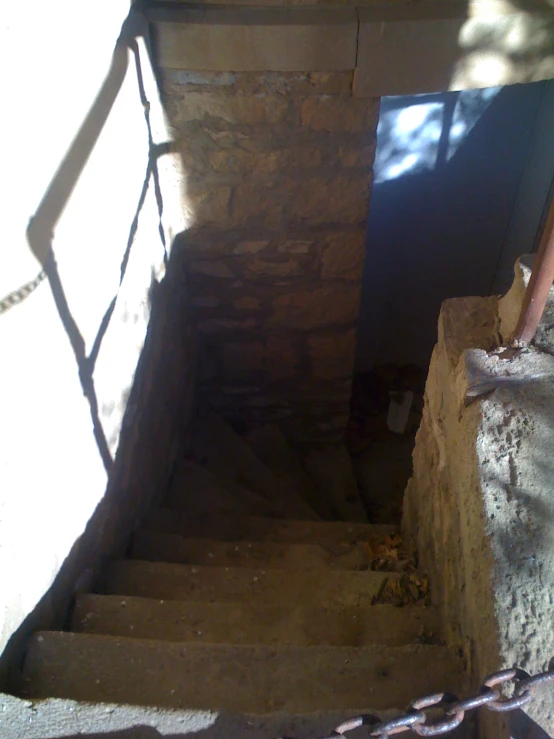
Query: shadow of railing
pixel 40 231
pixel 521 726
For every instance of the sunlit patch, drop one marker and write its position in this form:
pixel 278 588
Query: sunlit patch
pixel 407 137
pixel 477 32
pixel 411 129
pixel 518 33
pixel 482 69
pixel 470 106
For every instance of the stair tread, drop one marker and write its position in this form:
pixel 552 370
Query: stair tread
pixel 62 718
pixel 195 490
pixel 230 457
pixel 256 528
pixel 271 446
pixel 253 623
pixel 156 546
pixel 331 470
pixel 195 582
pixel 257 679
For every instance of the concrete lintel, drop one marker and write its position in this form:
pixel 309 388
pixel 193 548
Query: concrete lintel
pixel 414 48
pixel 256 39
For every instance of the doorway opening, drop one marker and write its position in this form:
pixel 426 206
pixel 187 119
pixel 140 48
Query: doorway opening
pixel 462 182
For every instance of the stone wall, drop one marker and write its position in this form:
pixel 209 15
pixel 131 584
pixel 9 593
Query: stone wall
pixel 278 173
pixel 479 507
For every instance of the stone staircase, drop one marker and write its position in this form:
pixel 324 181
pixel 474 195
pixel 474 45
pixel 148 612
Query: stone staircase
pixel 238 610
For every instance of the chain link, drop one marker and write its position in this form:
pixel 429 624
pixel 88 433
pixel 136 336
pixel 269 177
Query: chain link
pixel 18 296
pixel 454 710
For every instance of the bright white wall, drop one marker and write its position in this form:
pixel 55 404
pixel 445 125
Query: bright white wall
pixel 53 60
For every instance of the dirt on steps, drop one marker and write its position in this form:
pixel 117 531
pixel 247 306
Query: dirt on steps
pixel 195 490
pixel 240 584
pixel 270 445
pixel 226 454
pixel 255 623
pixel 154 546
pixel 258 679
pixel 227 609
pixel 256 528
pixel 331 469
pixel 55 718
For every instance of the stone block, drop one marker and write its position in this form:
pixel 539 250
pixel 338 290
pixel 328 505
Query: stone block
pixel 238 161
pixel 209 206
pixel 295 83
pixel 250 247
pixel 242 358
pixel 332 355
pixel 246 303
pixel 343 255
pixel 212 268
pixel 180 82
pixel 206 301
pixel 363 157
pixel 338 199
pixel 234 109
pixel 185 80
pixel 224 325
pixel 281 358
pixel 256 39
pixel 340 113
pixel 408 49
pixel 262 203
pixel 295 247
pixel 300 158
pixel 331 83
pixel 259 268
pixel 324 306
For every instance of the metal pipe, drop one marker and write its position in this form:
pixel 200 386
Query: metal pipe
pixel 540 282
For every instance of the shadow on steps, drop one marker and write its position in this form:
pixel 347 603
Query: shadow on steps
pixel 64 719
pixel 521 727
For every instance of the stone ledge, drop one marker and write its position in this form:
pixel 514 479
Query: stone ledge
pixel 256 39
pixel 399 48
pixel 435 46
pixel 479 506
pixel 510 307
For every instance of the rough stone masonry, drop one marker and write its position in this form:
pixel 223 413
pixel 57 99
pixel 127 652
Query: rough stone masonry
pixel 278 177
pixel 479 508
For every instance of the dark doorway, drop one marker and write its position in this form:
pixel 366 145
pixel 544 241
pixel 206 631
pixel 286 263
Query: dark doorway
pixel 461 184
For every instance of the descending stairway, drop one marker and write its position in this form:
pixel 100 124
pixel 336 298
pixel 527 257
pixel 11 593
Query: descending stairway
pixel 237 599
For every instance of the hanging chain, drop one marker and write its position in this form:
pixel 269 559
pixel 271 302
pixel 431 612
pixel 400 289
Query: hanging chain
pixel 454 711
pixel 18 296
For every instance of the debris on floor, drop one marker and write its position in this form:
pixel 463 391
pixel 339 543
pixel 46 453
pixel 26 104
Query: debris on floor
pixel 409 589
pixel 386 408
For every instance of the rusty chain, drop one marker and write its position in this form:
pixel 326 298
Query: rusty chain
pixel 18 296
pixel 454 710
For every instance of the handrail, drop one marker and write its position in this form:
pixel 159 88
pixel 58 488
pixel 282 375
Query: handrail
pixel 40 230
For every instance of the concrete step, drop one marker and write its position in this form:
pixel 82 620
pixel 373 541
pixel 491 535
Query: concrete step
pixel 194 490
pixel 331 470
pixel 255 679
pixel 255 528
pixel 241 584
pixel 254 623
pixel 56 718
pixel 154 546
pixel 270 445
pixel 231 459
